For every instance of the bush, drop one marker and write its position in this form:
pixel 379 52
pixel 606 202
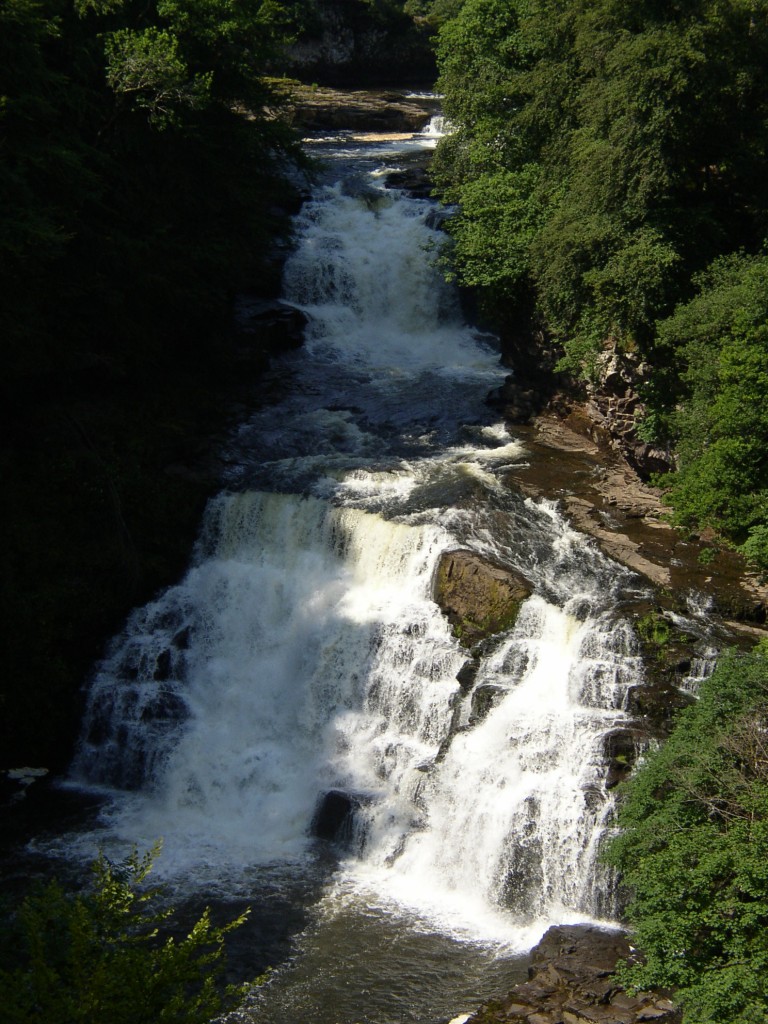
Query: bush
pixel 694 831
pixel 99 956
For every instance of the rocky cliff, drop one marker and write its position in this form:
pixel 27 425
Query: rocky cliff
pixel 351 42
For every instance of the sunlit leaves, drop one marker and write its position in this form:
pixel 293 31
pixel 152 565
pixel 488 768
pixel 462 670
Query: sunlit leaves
pixel 649 124
pixel 692 850
pixel 721 339
pixel 147 67
pixel 99 955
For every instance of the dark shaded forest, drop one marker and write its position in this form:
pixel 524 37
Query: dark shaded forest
pixel 143 183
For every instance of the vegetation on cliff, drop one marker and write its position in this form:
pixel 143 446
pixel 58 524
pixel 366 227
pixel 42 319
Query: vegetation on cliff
pixel 694 830
pixel 608 162
pixel 142 179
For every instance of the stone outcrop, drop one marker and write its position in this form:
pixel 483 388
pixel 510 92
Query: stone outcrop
pixel 478 597
pixel 335 814
pixel 573 461
pixel 571 980
pixel 415 181
pixel 614 405
pixel 266 327
pixel 323 109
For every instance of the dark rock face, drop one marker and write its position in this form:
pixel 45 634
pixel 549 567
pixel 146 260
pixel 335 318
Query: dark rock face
pixel 415 181
pixel 478 597
pixel 347 41
pixel 334 816
pixel 571 981
pixel 484 699
pixel 320 109
pixel 615 406
pixel 622 748
pixel 517 402
pixel 265 328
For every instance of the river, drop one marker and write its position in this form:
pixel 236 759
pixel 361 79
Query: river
pixel 303 655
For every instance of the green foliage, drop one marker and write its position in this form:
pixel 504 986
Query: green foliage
pixel 139 173
pixel 654 629
pixel 105 955
pixel 147 66
pixel 492 244
pixel 721 339
pixel 691 847
pixel 647 126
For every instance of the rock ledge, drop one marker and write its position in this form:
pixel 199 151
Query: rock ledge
pixel 571 981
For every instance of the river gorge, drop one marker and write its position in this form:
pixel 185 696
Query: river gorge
pixel 406 805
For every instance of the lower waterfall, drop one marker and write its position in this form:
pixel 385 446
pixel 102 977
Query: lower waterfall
pixel 300 684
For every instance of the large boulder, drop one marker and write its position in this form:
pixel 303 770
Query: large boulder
pixel 478 597
pixel 334 816
pixel 266 328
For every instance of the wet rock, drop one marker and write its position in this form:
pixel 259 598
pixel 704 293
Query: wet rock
pixel 182 639
pixel 415 181
pixel 622 748
pixel 658 702
pixel 484 699
pixel 332 110
pixel 14 783
pixel 467 674
pixel 571 980
pixel 478 597
pixel 517 403
pixel 267 327
pixel 334 816
pixel 163 666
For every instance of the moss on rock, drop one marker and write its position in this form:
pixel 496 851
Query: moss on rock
pixel 478 597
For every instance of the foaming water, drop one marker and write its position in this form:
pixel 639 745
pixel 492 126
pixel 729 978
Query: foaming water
pixel 299 704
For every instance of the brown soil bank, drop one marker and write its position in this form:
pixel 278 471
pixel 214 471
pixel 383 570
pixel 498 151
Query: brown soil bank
pixel 313 108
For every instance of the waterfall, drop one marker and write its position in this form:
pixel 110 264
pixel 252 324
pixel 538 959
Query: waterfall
pixel 303 659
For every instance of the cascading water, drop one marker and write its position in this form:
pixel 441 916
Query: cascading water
pixel 303 654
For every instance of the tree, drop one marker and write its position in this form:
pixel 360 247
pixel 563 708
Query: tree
pixel 692 850
pixel 100 956
pixel 720 342
pixel 647 125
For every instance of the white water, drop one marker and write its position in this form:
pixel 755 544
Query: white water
pixel 303 652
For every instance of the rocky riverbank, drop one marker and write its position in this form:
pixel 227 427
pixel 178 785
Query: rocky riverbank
pixel 313 108
pixel 573 462
pixel 571 980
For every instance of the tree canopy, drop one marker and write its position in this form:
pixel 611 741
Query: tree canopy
pixel 140 163
pixel 144 178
